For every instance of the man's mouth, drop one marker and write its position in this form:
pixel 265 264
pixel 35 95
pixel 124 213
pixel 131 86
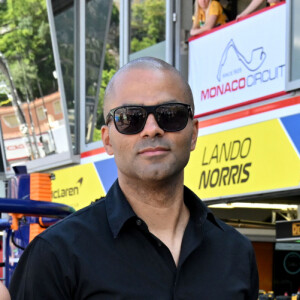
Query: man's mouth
pixel 153 151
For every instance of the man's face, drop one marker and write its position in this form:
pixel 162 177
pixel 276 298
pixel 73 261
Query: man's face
pixel 152 154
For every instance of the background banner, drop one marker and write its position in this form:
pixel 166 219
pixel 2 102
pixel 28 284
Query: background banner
pixel 261 157
pixel 244 67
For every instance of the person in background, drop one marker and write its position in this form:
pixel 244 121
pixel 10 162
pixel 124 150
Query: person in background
pixel 4 294
pixel 150 238
pixel 208 14
pixel 253 5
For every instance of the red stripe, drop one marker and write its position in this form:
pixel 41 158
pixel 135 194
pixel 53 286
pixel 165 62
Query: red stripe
pixel 234 22
pixel 17 158
pixel 211 30
pixel 92 152
pixel 241 104
pixel 250 112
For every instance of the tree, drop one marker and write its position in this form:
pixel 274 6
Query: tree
pixel 107 74
pixel 111 65
pixel 147 23
pixel 26 44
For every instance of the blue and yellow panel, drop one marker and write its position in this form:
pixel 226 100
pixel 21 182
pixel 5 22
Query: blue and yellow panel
pixel 292 126
pixel 80 185
pixel 107 171
pixel 256 158
pixel 262 157
pixel 77 186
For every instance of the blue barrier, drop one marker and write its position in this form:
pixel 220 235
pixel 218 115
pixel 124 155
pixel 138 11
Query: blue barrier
pixel 33 207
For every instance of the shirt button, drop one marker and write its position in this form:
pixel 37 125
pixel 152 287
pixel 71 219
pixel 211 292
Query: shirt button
pixel 159 244
pixel 138 222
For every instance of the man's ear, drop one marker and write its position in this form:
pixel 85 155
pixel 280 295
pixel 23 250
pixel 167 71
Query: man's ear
pixel 106 140
pixel 194 135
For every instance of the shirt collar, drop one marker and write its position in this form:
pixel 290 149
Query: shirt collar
pixel 119 210
pixel 199 212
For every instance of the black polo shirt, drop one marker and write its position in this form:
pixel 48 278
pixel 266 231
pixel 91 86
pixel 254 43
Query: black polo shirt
pixel 105 251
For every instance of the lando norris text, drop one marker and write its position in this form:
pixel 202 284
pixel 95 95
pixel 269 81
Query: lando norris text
pixel 237 168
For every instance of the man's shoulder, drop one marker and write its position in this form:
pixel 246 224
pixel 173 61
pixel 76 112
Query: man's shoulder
pixel 215 5
pixel 232 235
pixel 216 229
pixel 86 218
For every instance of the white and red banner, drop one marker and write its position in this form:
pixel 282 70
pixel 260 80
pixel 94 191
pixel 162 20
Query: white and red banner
pixel 240 63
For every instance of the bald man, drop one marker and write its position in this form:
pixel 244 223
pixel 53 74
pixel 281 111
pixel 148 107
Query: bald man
pixel 150 237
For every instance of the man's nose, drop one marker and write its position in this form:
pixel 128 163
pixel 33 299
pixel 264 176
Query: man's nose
pixel 151 128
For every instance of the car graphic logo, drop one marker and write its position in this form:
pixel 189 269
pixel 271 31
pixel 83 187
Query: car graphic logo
pixel 257 58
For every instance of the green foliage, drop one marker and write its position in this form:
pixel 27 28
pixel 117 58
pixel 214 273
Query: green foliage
pixel 115 15
pixel 3 97
pixel 106 76
pixel 97 135
pixel 111 64
pixel 114 32
pixel 137 45
pixel 110 68
pixel 26 45
pixel 155 19
pixel 147 23
pixel 110 61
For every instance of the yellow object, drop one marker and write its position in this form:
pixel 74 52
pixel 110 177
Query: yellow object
pixel 250 159
pixel 216 9
pixel 40 187
pixel 15 221
pixel 77 186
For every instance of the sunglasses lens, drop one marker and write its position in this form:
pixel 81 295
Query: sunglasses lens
pixel 130 120
pixel 172 117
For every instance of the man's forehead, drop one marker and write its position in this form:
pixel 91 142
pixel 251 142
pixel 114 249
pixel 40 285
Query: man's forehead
pixel 130 78
pixel 126 82
pixel 143 80
pixel 135 73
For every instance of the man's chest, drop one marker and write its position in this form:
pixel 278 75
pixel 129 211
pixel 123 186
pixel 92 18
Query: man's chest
pixel 144 271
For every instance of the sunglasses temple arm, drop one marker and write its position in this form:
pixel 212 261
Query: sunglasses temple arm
pixel 108 117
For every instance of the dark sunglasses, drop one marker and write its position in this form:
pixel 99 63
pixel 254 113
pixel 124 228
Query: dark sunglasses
pixel 131 119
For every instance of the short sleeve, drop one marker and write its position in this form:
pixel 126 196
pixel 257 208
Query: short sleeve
pixel 215 9
pixel 40 274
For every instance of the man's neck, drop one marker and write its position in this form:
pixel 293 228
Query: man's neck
pixel 162 207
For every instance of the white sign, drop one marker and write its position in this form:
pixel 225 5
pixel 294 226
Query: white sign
pixel 20 148
pixel 242 62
